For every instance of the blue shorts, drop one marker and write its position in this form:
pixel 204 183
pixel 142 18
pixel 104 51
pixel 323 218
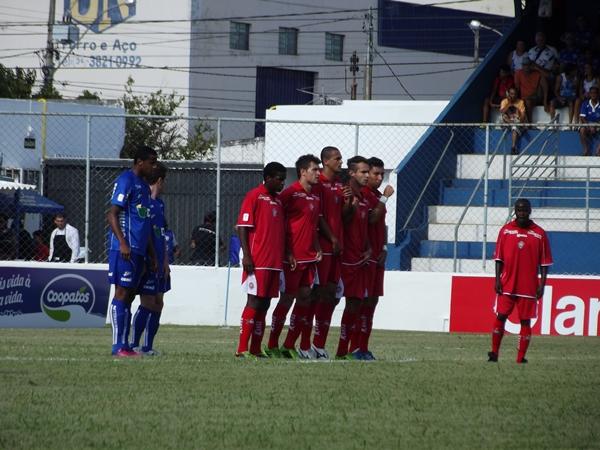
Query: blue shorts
pixel 125 273
pixel 153 284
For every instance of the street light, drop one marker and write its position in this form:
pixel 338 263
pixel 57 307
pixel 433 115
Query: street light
pixel 475 26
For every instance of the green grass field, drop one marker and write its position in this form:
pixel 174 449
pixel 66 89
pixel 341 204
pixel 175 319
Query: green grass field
pixel 60 389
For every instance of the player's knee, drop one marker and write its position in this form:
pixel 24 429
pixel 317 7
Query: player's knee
pixel 502 317
pixel 526 323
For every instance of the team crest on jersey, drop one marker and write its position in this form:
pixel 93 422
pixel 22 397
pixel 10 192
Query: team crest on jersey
pixel 274 211
pixel 521 244
pixel 99 15
pixel 142 211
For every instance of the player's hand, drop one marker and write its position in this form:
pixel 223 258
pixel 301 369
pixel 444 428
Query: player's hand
pixel 248 264
pixel 336 246
pixel 388 191
pixel 498 287
pixel 292 261
pixel 540 291
pixel 348 194
pixel 365 256
pixel 319 256
pixel 382 258
pixel 125 250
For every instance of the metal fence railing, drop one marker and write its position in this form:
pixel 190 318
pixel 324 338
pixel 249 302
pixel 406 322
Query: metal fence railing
pixel 453 181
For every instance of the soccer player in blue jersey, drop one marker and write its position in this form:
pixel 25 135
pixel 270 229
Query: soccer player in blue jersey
pixel 154 283
pixel 129 243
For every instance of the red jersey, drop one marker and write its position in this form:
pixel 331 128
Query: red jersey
pixel 302 210
pixel 377 231
pixel 332 201
pixel 522 250
pixel 263 214
pixel 355 233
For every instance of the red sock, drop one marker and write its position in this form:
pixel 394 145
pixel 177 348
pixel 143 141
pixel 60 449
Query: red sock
pixel 259 331
pixel 297 322
pixel 277 323
pixel 323 312
pixel 355 331
pixel 308 326
pixel 524 340
pixel 366 325
pixel 246 328
pixel 348 319
pixel 497 334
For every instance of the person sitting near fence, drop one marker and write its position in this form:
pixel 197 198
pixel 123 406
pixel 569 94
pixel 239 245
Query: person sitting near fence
pixel 64 241
pixel 41 252
pixel 513 112
pixel 515 57
pixel 586 82
pixel 589 114
pixel 503 82
pixel 532 86
pixel 543 56
pixel 8 240
pixel 569 54
pixel 565 91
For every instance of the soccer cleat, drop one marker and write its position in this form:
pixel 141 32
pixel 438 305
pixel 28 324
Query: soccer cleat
pixel 289 353
pixel 523 361
pixel 320 353
pixel 492 357
pixel 357 355
pixel 307 354
pixel 346 357
pixel 150 352
pixel 272 352
pixel 368 356
pixel 125 353
pixel 245 355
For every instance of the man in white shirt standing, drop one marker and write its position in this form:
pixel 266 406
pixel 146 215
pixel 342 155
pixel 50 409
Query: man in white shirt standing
pixel 64 241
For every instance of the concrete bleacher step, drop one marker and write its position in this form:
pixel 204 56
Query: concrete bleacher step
pixel 447 265
pixel 497 215
pixel 472 167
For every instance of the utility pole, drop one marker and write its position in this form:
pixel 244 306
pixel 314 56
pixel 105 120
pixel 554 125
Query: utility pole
pixel 48 68
pixel 369 60
pixel 353 68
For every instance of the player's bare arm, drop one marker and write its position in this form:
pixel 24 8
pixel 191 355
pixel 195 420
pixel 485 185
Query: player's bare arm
pixel 247 262
pixel 151 252
pixel 317 247
pixel 112 217
pixel 326 231
pixel 542 285
pixel 376 213
pixel 499 266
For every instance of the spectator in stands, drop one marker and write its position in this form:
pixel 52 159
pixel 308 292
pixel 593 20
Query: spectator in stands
pixel 570 54
pixel 565 91
pixel 41 250
pixel 515 57
pixel 542 55
pixel 503 82
pixel 583 34
pixel 589 114
pixel 532 86
pixel 586 82
pixel 8 240
pixel 203 241
pixel 588 57
pixel 64 241
pixel 513 112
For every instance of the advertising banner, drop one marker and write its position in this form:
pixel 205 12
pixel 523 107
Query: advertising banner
pixel 570 306
pixel 48 298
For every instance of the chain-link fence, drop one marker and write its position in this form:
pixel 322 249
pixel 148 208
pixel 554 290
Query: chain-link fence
pixel 455 184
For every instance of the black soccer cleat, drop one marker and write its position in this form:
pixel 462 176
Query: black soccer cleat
pixel 523 361
pixel 492 357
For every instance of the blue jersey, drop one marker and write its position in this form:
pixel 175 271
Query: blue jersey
pixel 132 194
pixel 171 244
pixel 158 223
pixel 590 112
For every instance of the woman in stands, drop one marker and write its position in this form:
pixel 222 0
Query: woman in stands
pixel 515 57
pixel 565 91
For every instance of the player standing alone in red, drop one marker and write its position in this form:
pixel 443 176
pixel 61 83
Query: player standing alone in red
pixel 262 235
pixel 522 249
pixel 302 209
pixel 357 251
pixel 376 267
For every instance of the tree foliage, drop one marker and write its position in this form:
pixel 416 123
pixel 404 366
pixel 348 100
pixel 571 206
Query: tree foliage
pixel 168 133
pixel 17 83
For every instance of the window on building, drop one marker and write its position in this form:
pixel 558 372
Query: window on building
pixel 239 36
pixel 334 46
pixel 288 41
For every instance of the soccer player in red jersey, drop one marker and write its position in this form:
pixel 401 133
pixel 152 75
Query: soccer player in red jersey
pixel 328 292
pixel 522 250
pixel 376 268
pixel 302 210
pixel 261 227
pixel 357 251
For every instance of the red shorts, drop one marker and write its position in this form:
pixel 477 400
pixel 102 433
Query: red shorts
pixel 329 269
pixel 304 275
pixel 526 307
pixel 354 279
pixel 374 274
pixel 262 283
